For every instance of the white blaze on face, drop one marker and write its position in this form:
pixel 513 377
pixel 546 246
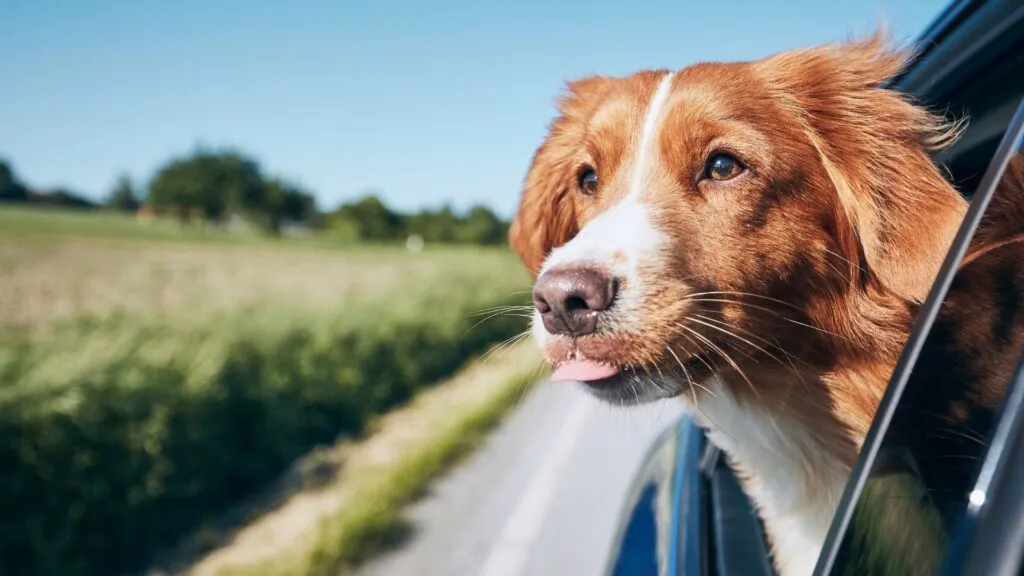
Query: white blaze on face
pixel 619 237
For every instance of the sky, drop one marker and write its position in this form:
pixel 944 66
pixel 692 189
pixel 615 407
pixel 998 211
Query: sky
pixel 423 102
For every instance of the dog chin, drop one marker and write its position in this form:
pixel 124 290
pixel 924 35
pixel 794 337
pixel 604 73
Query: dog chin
pixel 629 388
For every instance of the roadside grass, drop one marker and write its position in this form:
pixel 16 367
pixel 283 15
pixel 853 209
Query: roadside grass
pixel 332 528
pixel 374 521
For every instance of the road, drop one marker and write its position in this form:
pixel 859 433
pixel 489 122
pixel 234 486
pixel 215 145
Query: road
pixel 541 497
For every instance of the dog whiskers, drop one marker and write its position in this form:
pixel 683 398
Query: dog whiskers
pixel 770 311
pixel 505 344
pixel 724 356
pixel 492 316
pixel 843 258
pixel 501 309
pixel 748 294
pixel 699 357
pixel 662 383
pixel 724 330
pixel 693 383
pixel 731 334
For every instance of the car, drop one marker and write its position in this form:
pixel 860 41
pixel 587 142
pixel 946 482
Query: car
pixel 686 513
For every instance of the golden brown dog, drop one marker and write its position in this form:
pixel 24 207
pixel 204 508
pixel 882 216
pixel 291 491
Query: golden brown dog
pixel 753 237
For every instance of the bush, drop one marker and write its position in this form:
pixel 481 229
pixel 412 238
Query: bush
pixel 119 437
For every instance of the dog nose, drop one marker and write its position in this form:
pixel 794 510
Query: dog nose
pixel 570 299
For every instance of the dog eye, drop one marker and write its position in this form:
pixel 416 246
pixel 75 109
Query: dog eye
pixel 722 167
pixel 587 181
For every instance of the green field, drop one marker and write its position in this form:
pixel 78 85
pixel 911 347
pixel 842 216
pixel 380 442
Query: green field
pixel 151 375
pixel 49 223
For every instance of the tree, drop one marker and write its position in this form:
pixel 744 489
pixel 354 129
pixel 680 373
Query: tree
pixel 479 226
pixel 64 198
pixel 482 227
pixel 440 226
pixel 286 202
pixel 123 197
pixel 342 227
pixel 372 219
pixel 245 188
pixel 11 190
pixel 213 182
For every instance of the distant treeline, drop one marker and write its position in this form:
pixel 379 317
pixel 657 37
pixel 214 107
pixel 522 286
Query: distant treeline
pixel 13 190
pixel 218 187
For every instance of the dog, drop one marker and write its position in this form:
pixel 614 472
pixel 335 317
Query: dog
pixel 752 237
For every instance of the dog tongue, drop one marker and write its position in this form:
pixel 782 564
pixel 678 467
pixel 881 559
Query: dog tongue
pixel 583 371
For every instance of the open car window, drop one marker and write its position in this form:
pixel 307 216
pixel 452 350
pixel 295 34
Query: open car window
pixel 910 489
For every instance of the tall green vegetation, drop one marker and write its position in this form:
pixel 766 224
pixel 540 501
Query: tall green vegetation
pixel 139 399
pixel 158 364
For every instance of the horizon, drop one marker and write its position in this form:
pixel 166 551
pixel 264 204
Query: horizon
pixel 447 110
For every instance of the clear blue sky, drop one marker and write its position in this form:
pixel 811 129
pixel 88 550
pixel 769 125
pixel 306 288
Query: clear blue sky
pixel 426 101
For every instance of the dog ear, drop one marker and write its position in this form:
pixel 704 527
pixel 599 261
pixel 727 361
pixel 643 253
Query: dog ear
pixel 547 217
pixel 873 143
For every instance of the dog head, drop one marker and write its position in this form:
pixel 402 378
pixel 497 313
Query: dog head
pixel 685 223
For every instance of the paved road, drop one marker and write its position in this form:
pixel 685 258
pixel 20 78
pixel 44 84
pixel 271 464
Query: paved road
pixel 541 497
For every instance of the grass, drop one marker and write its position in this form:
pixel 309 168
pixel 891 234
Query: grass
pixel 370 523
pixel 49 222
pixel 51 278
pixel 360 513
pixel 147 386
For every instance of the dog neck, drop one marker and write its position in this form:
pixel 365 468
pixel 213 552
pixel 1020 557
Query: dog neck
pixel 793 476
pixel 793 434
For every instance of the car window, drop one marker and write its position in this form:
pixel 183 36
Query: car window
pixel 987 102
pixel 924 464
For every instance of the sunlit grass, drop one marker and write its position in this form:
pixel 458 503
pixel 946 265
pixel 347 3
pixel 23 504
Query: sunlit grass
pixel 146 386
pixel 359 514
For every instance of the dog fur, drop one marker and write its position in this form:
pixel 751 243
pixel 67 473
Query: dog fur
pixel 775 302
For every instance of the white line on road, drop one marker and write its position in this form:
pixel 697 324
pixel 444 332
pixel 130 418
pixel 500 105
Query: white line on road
pixel 511 550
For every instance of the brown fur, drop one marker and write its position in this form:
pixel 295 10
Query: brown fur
pixel 819 254
pixel 846 219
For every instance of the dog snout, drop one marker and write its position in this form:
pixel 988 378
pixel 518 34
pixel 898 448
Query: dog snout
pixel 570 300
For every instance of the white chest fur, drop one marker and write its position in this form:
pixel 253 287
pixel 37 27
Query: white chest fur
pixel 794 482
